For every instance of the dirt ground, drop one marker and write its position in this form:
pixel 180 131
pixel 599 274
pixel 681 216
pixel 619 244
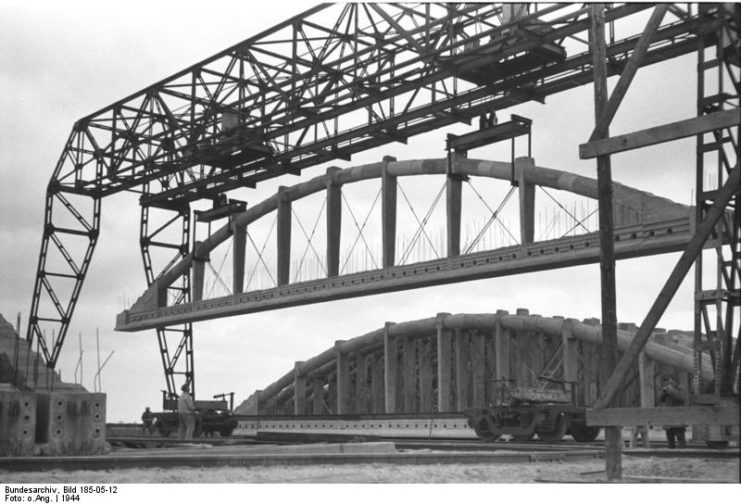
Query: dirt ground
pixel 692 470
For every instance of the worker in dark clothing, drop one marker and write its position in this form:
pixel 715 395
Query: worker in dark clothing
pixel 673 395
pixel 147 421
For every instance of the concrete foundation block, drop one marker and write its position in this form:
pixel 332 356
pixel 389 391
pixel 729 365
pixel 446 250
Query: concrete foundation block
pixel 17 421
pixel 71 423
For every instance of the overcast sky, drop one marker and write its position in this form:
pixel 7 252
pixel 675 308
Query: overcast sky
pixel 60 61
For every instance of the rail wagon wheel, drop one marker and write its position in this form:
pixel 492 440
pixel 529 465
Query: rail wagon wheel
pixel 583 433
pixel 163 430
pixel 557 433
pixel 484 430
pixel 226 431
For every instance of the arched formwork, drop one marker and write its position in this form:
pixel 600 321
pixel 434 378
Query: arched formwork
pixel 453 362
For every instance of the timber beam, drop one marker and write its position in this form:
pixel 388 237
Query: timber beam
pixel 688 415
pixel 661 134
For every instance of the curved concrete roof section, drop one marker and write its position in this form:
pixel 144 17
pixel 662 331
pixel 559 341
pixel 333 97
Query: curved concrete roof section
pixel 637 206
pixel 590 331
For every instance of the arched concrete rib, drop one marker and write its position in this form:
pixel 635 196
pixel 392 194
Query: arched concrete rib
pixel 645 206
pixel 322 363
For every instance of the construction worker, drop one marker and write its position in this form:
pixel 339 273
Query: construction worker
pixel 147 421
pixel 186 414
pixel 673 395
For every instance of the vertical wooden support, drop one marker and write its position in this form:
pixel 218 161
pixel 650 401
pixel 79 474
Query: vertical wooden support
pixel 390 369
pixel 334 221
pixel 478 370
pixel 461 369
pixel 527 199
pixel 444 402
pixel 343 379
pixel 377 400
pixel 317 385
pixel 299 390
pixel 424 347
pixel 197 270
pixel 388 213
pixel 453 189
pixel 501 349
pixel 613 435
pixel 410 373
pixel 239 242
pixel 646 373
pixel 570 356
pixel 284 236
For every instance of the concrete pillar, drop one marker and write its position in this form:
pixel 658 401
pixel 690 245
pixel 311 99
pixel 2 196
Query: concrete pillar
pixel 570 347
pixel 284 237
pixel 239 242
pixel 343 379
pixel 197 270
pixel 460 343
pixel 409 371
pixel 377 405
pixel 527 199
pixel 519 348
pixel 501 350
pixel 299 390
pixel 361 384
pixel 334 222
pixel 453 208
pixel 444 357
pixel 388 213
pixel 317 385
pixel 478 370
pixel 424 347
pixel 390 369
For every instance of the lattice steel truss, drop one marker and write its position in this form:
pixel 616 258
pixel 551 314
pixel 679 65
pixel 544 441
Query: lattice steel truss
pixel 333 81
pixel 718 310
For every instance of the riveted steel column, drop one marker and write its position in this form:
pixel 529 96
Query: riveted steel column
pixel 388 213
pixel 284 236
pixel 334 222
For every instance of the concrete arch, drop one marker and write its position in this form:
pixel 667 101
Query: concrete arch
pixel 444 363
pixel 634 206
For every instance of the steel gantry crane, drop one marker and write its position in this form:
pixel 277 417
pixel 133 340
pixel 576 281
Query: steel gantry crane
pixel 330 82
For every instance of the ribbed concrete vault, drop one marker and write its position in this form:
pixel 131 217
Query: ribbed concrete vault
pixel 451 362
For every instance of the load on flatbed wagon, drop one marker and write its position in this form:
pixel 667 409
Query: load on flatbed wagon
pixel 211 417
pixel 524 412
